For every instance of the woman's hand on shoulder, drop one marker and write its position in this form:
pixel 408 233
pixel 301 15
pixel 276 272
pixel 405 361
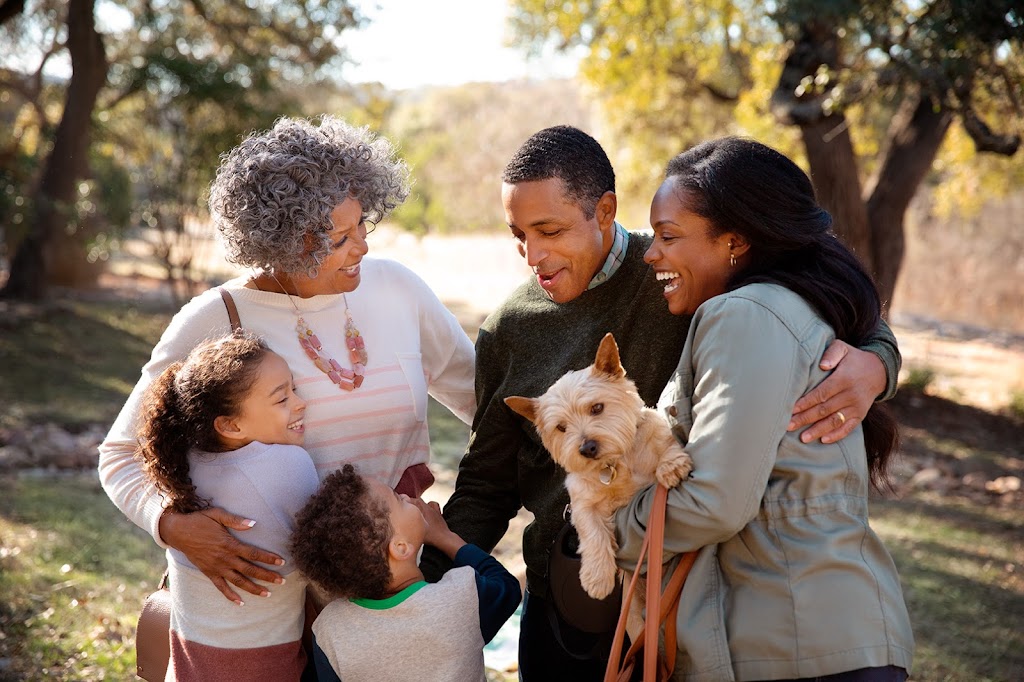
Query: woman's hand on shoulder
pixel 203 537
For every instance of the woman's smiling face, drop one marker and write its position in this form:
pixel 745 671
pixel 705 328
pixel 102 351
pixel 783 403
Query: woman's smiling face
pixel 339 272
pixel 692 261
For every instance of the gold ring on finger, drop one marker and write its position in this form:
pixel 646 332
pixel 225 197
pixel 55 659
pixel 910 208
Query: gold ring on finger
pixel 842 417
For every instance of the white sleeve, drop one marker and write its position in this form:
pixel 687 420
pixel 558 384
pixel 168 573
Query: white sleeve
pixel 204 317
pixel 448 356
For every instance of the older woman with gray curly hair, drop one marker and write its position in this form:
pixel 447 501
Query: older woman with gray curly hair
pixel 365 338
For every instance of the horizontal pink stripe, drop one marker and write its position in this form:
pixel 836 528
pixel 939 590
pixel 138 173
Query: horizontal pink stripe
pixel 345 395
pixel 194 662
pixel 368 435
pixel 382 454
pixel 354 416
pixel 313 378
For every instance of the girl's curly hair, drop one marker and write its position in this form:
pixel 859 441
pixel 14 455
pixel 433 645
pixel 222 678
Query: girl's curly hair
pixel 181 405
pixel 274 193
pixel 341 538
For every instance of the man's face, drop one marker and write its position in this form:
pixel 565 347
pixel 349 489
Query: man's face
pixel 564 247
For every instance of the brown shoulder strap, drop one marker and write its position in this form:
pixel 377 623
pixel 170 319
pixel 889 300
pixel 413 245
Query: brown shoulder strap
pixel 229 303
pixel 661 606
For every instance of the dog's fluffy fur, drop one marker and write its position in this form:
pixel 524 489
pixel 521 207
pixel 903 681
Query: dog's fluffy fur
pixel 595 425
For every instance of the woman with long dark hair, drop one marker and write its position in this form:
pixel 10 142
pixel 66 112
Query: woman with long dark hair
pixel 792 582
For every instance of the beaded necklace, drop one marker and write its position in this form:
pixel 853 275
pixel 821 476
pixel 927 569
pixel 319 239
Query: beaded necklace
pixel 346 379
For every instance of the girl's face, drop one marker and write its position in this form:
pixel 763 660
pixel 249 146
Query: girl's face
pixel 692 262
pixel 271 412
pixel 339 273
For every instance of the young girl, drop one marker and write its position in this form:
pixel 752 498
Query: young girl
pixel 225 428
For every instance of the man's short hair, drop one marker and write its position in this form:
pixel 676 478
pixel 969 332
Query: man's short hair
pixel 567 153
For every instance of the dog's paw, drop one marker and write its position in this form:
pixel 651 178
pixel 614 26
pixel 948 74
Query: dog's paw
pixel 597 584
pixel 598 580
pixel 671 472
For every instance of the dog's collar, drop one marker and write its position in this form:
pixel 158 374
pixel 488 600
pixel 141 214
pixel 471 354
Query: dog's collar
pixel 608 473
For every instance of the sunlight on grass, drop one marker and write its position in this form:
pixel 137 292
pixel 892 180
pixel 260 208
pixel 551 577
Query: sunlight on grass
pixel 73 572
pixel 88 354
pixel 962 578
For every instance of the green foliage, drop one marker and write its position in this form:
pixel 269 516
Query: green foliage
pixel 185 79
pixel 919 379
pixel 1016 404
pixel 672 73
pixel 457 141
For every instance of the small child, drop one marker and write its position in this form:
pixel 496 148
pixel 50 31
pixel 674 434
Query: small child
pixel 225 428
pixel 360 541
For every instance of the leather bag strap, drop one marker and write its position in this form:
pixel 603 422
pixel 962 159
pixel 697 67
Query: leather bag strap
pixel 662 605
pixel 229 303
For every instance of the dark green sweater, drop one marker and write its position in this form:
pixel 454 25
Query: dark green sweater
pixel 523 348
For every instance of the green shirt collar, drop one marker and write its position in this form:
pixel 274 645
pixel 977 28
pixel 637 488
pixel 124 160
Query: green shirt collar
pixel 393 600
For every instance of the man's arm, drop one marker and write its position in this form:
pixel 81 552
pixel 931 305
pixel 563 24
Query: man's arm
pixel 486 492
pixel 860 377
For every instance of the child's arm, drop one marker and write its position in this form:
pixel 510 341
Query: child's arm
pixel 498 590
pixel 324 671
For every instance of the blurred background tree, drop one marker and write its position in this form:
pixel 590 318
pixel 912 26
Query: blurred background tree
pixel 869 91
pixel 161 86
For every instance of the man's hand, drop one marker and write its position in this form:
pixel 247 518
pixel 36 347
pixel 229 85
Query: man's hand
pixel 203 537
pixel 438 533
pixel 840 402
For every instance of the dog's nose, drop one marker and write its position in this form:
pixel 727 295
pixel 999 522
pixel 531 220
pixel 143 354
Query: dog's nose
pixel 589 449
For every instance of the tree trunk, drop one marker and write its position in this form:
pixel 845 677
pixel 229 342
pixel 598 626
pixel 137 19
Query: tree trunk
pixel 825 134
pixel 912 142
pixel 836 182
pixel 67 162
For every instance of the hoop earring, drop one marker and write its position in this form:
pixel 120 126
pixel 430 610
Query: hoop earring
pixel 732 260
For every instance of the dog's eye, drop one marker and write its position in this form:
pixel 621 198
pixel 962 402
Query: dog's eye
pixel 598 408
pixel 561 427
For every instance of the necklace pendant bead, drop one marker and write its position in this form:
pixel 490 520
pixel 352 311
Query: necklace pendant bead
pixel 345 379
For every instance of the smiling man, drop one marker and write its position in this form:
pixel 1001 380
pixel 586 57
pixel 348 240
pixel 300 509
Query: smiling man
pixel 558 193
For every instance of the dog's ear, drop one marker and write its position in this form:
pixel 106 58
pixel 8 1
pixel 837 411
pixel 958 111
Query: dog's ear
pixel 527 407
pixel 607 360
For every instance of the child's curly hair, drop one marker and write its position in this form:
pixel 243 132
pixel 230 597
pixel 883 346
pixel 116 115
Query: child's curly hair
pixel 341 538
pixel 181 405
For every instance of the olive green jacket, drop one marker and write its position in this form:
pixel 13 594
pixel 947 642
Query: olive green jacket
pixel 792 582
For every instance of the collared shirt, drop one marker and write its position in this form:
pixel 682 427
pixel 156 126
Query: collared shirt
pixel 615 256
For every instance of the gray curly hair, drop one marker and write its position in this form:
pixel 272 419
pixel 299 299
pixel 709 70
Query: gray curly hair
pixel 274 193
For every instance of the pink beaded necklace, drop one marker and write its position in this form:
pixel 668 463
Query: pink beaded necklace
pixel 346 379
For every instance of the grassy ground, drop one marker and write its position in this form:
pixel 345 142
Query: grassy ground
pixel 73 572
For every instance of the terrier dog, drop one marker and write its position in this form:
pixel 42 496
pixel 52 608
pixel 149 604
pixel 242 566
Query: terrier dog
pixel 596 427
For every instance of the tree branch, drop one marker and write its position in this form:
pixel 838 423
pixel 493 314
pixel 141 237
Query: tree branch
pixel 985 140
pixel 791 104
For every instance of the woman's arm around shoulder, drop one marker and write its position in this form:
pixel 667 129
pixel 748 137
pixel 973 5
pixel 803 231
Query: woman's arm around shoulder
pixel 202 318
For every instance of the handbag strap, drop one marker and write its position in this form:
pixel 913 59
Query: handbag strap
pixel 229 303
pixel 663 605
